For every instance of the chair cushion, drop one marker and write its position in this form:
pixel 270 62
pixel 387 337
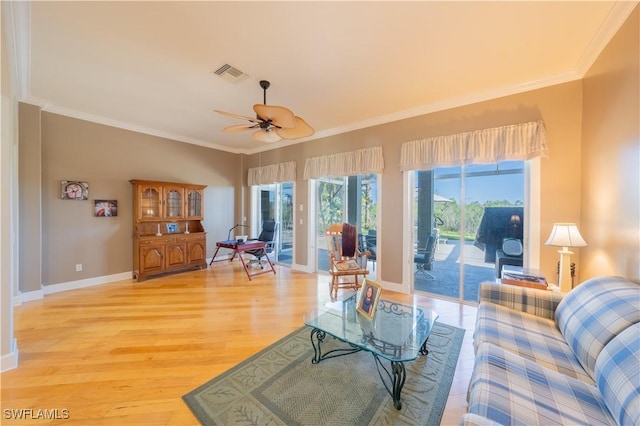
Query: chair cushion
pixel 618 376
pixel 512 247
pixel 595 312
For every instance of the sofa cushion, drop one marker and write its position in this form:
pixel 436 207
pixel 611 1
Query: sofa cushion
pixel 530 336
pixel 618 376
pixel 595 312
pixel 510 389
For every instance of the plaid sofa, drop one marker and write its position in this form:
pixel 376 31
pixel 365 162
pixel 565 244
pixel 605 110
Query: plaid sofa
pixel 542 358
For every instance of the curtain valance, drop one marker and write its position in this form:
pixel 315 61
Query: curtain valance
pixel 515 142
pixel 359 162
pixel 274 173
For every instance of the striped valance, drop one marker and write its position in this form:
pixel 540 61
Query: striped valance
pixel 274 173
pixel 359 162
pixel 515 142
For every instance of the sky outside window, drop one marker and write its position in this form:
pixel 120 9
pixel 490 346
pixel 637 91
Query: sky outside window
pixel 484 182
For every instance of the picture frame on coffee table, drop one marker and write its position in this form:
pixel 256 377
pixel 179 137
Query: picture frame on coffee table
pixel 369 298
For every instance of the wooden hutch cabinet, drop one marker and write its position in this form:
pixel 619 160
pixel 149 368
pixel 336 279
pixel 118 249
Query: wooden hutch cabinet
pixel 167 228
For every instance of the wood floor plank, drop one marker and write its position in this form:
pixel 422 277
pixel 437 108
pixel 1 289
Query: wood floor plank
pixel 126 352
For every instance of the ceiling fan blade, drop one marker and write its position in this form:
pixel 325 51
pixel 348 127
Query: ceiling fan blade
pixel 238 116
pixel 239 128
pixel 273 122
pixel 265 136
pixel 279 116
pixel 302 130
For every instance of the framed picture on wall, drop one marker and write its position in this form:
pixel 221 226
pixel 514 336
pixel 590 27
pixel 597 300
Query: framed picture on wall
pixel 74 190
pixel 105 208
pixel 172 228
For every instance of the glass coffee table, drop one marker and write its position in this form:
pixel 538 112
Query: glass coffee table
pixel 398 334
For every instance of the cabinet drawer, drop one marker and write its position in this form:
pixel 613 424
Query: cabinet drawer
pixel 193 237
pixel 151 242
pixel 156 240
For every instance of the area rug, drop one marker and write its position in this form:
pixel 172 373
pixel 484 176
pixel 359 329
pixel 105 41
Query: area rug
pixel 280 386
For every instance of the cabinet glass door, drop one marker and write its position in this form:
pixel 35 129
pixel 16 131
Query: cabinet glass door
pixel 194 203
pixel 173 199
pixel 149 203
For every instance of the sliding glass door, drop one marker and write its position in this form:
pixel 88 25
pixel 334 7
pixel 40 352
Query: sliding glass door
pixel 331 202
pixel 275 202
pixel 285 219
pixel 462 215
pixel 351 199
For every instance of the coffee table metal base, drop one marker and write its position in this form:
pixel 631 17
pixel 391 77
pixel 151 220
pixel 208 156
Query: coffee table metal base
pixel 319 338
pixel 393 378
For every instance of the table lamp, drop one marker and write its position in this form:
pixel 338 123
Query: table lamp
pixel 565 235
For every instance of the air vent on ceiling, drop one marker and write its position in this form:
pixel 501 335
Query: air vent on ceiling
pixel 230 73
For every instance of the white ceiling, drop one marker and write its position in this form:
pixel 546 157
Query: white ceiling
pixel 148 66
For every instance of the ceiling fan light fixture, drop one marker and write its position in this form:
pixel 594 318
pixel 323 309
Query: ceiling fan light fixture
pixel 267 136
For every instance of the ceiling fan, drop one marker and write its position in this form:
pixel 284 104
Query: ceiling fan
pixel 272 122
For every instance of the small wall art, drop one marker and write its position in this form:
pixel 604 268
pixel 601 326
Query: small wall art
pixel 172 228
pixel 105 208
pixel 74 190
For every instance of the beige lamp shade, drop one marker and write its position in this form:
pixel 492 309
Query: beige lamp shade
pixel 565 235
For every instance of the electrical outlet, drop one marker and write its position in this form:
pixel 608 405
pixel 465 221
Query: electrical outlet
pixel 79 267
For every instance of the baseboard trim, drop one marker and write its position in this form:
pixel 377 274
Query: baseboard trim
pixel 28 297
pixel 70 285
pixel 302 268
pixel 89 282
pixel 10 361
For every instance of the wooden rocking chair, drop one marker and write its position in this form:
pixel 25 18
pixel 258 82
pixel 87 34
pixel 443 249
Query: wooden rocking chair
pixel 346 262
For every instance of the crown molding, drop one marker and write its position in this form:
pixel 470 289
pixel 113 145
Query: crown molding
pixel 433 107
pixel 68 112
pixel 445 105
pixel 619 13
pixel 397 116
pixel 16 20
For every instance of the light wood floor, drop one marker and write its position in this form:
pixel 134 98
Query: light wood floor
pixel 126 352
